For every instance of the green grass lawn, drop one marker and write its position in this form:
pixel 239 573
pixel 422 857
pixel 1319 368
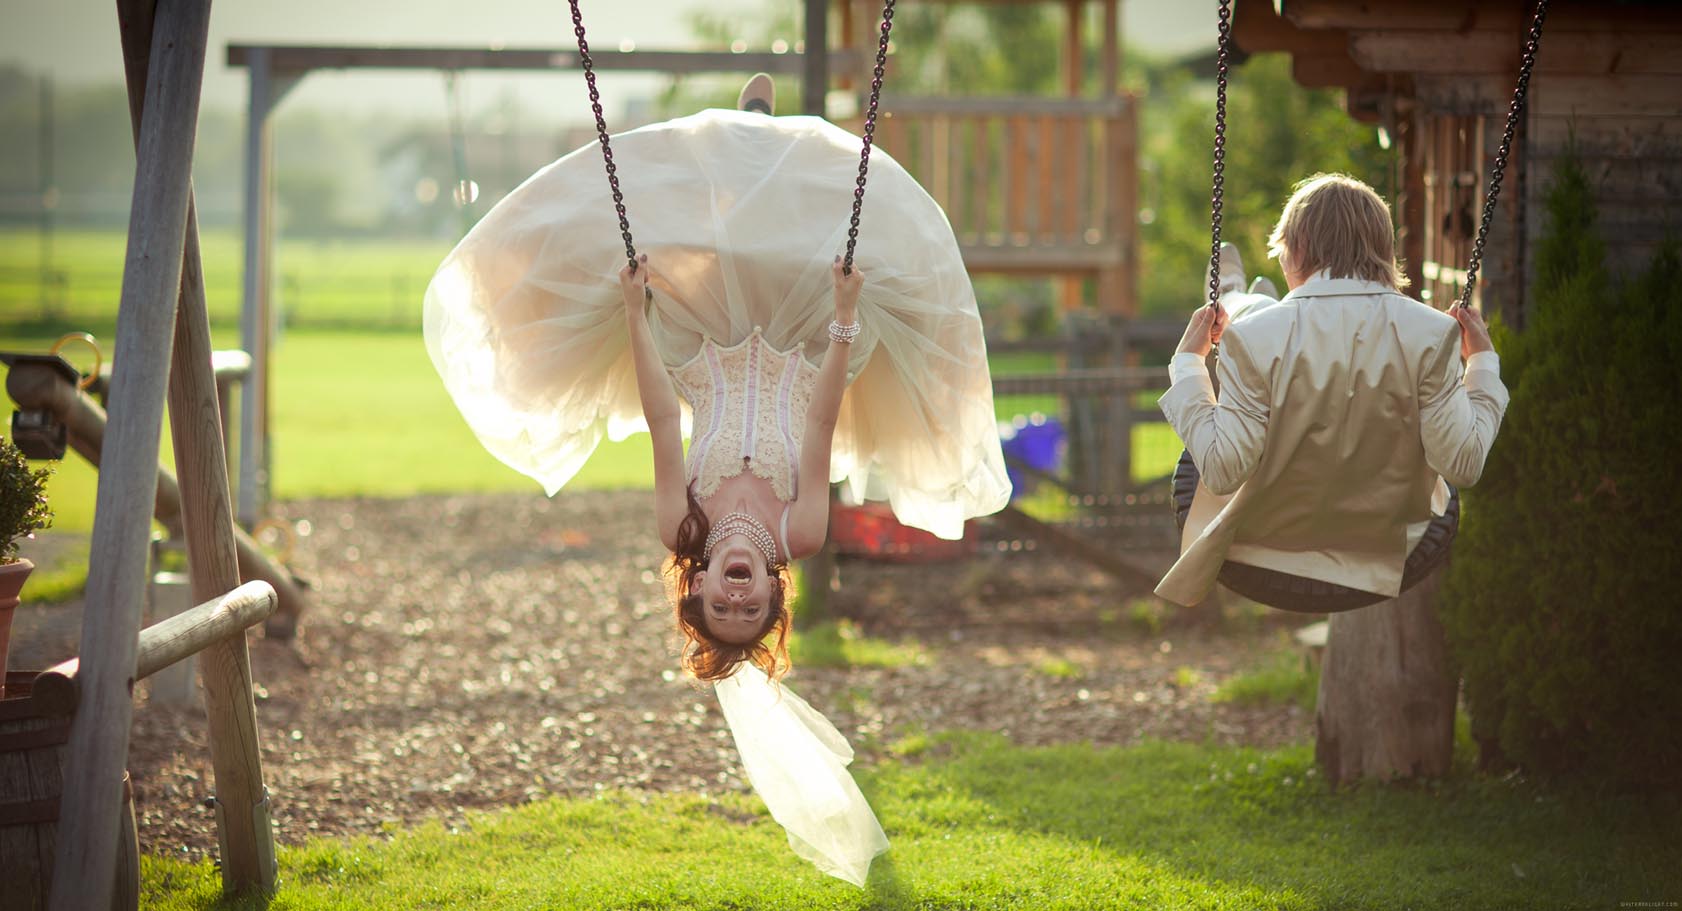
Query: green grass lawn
pixel 357 283
pixel 977 823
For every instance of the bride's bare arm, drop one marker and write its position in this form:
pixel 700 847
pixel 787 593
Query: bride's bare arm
pixel 808 520
pixel 660 407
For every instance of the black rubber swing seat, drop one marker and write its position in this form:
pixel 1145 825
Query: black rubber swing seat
pixel 1313 596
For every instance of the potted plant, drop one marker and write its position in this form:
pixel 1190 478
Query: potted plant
pixel 23 511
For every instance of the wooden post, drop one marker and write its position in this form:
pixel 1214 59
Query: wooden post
pixel 1387 690
pixel 814 78
pixel 1074 50
pixel 123 514
pixel 246 838
pixel 1072 140
pixel 177 685
pixel 1125 155
pixel 1410 148
pixel 1114 293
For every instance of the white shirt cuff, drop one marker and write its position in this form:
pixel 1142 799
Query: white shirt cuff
pixel 1482 360
pixel 1185 364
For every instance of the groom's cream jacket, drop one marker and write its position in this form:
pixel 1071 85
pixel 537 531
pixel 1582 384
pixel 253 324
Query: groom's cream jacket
pixel 1342 409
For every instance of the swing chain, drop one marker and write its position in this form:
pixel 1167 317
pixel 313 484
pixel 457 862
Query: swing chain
pixel 869 134
pixel 1514 110
pixel 601 133
pixel 1220 152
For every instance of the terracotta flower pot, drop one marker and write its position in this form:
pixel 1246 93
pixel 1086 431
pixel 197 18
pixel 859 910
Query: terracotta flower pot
pixel 11 582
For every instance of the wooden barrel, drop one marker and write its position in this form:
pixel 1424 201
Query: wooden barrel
pixel 31 758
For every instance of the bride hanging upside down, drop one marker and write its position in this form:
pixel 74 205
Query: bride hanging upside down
pixel 794 372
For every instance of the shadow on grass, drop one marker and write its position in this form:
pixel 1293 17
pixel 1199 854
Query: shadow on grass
pixel 1243 819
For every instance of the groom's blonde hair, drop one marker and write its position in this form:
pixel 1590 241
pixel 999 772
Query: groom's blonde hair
pixel 1337 223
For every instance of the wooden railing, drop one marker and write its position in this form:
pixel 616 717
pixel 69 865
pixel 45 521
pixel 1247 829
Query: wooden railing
pixel 1039 185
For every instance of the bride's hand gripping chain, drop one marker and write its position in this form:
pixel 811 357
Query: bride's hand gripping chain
pixel 847 287
pixel 633 285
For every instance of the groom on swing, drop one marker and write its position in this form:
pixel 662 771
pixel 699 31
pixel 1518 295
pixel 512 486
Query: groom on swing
pixel 1342 409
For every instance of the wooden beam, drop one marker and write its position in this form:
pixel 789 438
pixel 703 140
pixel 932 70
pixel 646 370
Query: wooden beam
pixel 1004 106
pixel 1257 29
pixel 98 751
pixel 57 690
pixel 1494 15
pixel 288 59
pixel 1485 52
pixel 1327 71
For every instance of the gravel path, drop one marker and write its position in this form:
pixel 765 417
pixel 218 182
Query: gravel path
pixel 470 652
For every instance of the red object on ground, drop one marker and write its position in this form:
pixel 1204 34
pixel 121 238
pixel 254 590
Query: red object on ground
pixel 870 530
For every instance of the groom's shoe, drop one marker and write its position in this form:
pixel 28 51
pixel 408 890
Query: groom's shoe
pixel 1264 286
pixel 758 95
pixel 1232 269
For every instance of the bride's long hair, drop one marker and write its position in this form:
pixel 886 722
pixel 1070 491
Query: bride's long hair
pixel 706 657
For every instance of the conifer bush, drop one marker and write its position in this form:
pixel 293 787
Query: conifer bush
pixel 1564 599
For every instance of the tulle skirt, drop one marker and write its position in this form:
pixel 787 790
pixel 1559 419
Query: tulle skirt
pixel 741 216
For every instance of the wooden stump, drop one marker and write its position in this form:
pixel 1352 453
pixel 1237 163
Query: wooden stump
pixel 1387 692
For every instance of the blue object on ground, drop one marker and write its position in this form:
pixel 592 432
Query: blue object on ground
pixel 1038 442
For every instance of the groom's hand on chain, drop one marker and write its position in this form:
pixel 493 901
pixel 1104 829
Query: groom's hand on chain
pixel 1204 331
pixel 1474 335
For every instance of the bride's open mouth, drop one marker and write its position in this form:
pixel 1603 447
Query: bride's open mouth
pixel 738 572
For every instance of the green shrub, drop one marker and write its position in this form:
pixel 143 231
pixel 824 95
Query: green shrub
pixel 1562 601
pixel 23 500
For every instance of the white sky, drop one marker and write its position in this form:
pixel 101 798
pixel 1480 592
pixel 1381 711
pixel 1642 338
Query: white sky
pixel 76 41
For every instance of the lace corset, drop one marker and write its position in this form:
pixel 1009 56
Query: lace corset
pixel 750 405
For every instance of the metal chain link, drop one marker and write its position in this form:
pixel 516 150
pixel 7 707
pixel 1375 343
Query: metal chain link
pixel 1220 153
pixel 1514 111
pixel 869 133
pixel 601 133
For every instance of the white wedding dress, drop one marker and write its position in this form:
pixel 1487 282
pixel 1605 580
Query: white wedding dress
pixel 741 216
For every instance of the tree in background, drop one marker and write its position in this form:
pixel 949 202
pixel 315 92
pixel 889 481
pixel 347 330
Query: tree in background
pixel 1561 601
pixel 1277 133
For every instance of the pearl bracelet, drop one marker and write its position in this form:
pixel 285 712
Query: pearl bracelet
pixel 843 335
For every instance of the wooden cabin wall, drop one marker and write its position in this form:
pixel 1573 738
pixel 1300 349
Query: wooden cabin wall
pixel 1625 130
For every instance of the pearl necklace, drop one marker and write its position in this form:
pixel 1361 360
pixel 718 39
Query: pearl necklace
pixel 740 523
